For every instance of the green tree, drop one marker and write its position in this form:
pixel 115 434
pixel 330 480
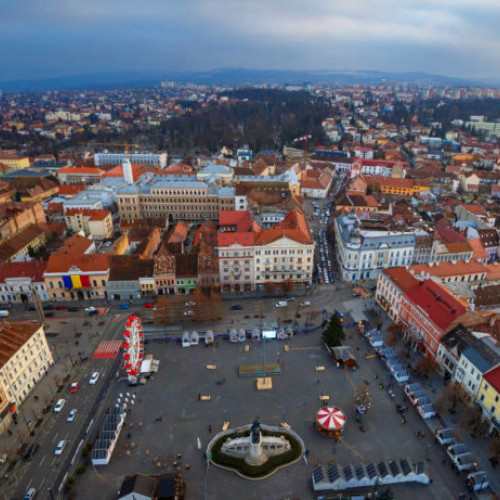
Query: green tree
pixel 334 332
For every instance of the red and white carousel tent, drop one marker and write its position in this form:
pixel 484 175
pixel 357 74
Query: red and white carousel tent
pixel 133 347
pixel 330 421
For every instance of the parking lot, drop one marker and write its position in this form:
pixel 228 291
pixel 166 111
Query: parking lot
pixel 169 418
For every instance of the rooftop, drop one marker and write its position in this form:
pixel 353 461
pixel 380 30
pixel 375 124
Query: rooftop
pixel 13 336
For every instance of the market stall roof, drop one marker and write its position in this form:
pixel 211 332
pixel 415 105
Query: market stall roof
pixel 330 418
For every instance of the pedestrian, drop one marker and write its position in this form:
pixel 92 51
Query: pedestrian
pixel 403 421
pixel 209 428
pixel 199 396
pixel 443 462
pixel 140 425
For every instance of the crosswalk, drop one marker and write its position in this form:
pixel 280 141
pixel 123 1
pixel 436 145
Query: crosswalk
pixel 107 349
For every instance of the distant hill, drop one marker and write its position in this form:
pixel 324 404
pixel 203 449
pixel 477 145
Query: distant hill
pixel 232 76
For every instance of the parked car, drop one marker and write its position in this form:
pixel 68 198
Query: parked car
pixel 188 313
pixel 236 307
pixel 71 415
pixel 290 299
pixel 149 305
pixel 74 387
pixel 31 451
pixel 59 405
pixel 123 306
pixel 59 308
pixel 306 303
pixel 60 447
pixel 73 309
pixel 90 309
pixel 281 303
pixel 94 378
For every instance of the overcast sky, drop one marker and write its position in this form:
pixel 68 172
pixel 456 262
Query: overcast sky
pixel 43 38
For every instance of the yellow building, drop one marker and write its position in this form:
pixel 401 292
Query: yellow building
pixel 488 398
pixel 14 160
pixel 96 223
pixel 76 276
pixel 401 187
pixel 25 358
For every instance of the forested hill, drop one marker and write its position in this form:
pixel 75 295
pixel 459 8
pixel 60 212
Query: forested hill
pixel 261 118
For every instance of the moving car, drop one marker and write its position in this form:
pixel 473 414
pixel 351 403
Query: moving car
pixel 290 299
pixel 60 447
pixel 306 303
pixel 94 378
pixel 30 494
pixel 74 387
pixel 188 313
pixel 59 405
pixel 123 306
pixel 71 415
pixel 282 303
pixel 149 305
pixel 90 309
pixel 3 313
pixel 236 307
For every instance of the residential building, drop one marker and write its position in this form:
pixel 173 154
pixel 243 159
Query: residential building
pixel 14 161
pixel 314 183
pixel 128 276
pixel 470 271
pixel 428 310
pixel 16 216
pixel 154 159
pixel 448 245
pixel 98 224
pixel 364 246
pixel 475 360
pixel 25 358
pixel 79 175
pixel 186 273
pixel 488 397
pixel 491 242
pixel 236 260
pixel 392 284
pixel 18 281
pixel 383 168
pixel 22 245
pixel 399 186
pixel 164 271
pixel 284 252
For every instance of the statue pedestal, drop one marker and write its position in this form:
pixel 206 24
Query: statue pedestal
pixel 264 384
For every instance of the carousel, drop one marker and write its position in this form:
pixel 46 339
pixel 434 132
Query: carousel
pixel 330 421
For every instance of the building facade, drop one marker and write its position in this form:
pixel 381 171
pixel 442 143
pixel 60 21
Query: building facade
pixel 98 224
pixel 154 159
pixel 363 251
pixel 19 280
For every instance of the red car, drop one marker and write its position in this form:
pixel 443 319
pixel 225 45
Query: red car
pixel 74 387
pixel 149 305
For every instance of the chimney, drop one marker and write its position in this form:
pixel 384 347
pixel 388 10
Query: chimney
pixel 127 171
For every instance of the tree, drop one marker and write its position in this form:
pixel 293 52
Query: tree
pixel 334 332
pixel 453 397
pixel 287 286
pixel 270 286
pixel 495 447
pixel 471 420
pixel 385 494
pixel 426 366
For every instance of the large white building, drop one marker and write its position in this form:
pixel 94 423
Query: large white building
pixel 155 159
pixel 366 247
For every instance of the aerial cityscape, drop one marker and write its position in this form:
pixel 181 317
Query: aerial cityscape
pixel 211 238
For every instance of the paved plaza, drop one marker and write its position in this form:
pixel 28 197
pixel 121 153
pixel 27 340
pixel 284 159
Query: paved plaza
pixel 168 419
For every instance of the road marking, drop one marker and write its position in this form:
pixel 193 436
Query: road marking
pixel 54 438
pixel 43 481
pixel 41 461
pixel 305 348
pixel 29 484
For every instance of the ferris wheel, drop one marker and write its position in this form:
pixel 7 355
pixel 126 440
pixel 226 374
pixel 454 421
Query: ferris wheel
pixel 133 346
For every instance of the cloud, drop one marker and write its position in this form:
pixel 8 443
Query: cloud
pixel 455 37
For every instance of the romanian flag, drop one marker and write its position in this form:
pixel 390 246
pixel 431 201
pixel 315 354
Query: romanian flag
pixel 75 279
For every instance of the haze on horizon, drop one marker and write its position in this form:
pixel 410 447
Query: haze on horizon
pixel 65 37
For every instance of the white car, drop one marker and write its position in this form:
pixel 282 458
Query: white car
pixel 71 415
pixel 59 405
pixel 60 447
pixel 90 309
pixel 306 303
pixel 94 378
pixel 188 313
pixel 191 303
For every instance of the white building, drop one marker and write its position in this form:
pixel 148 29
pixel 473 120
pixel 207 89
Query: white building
pixel 18 281
pixel 364 249
pixel 155 159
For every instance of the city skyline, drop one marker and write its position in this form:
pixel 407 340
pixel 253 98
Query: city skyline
pixel 68 38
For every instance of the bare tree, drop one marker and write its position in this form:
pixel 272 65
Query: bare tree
pixel 427 366
pixel 495 447
pixel 287 286
pixel 471 420
pixel 453 397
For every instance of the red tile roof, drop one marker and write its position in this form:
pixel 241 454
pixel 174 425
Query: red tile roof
pixel 242 219
pixel 444 269
pixel 441 307
pixel 235 238
pixel 294 227
pixel 493 378
pixel 403 279
pixel 32 269
pixel 71 189
pixel 80 170
pixel 93 214
pixel 63 261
